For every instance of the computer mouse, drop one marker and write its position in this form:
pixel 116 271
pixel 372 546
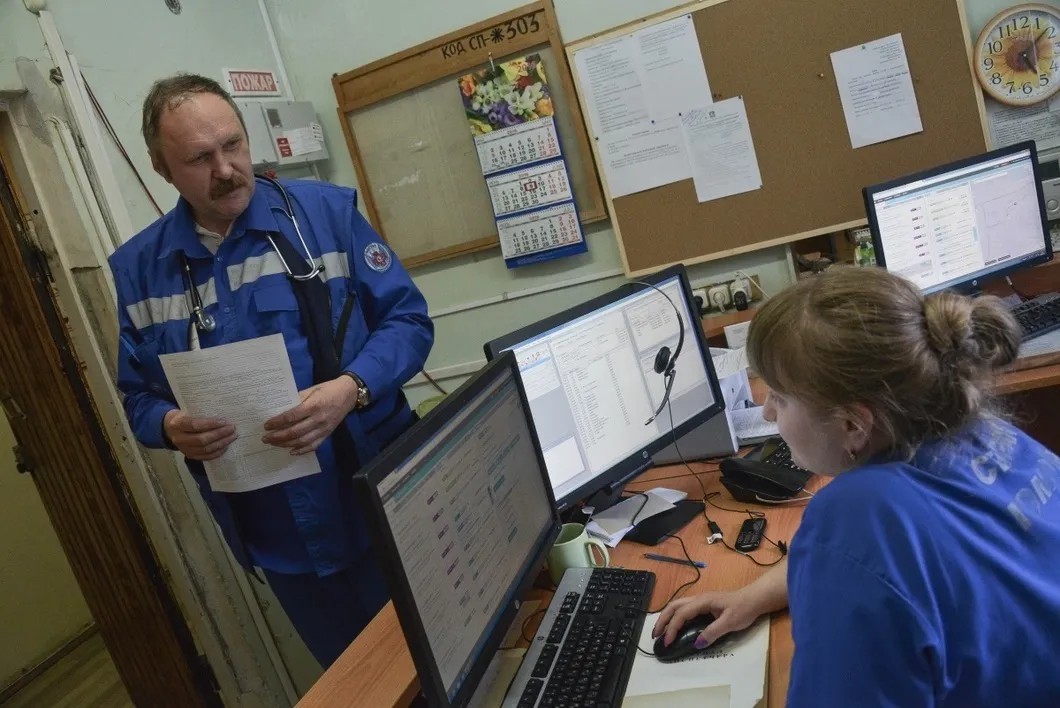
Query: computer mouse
pixel 685 643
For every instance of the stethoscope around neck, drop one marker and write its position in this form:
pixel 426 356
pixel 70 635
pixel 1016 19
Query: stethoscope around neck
pixel 203 320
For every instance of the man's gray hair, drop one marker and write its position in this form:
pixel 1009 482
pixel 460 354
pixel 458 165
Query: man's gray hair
pixel 168 93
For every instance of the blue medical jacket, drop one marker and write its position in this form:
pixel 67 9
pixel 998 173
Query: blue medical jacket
pixel 934 582
pixel 312 524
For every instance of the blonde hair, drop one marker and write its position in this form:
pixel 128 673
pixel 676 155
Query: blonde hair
pixel 923 365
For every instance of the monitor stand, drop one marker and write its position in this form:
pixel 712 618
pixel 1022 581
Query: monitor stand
pixel 714 438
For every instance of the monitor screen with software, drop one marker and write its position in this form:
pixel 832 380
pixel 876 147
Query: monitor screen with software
pixel 463 511
pixel 590 378
pixel 953 225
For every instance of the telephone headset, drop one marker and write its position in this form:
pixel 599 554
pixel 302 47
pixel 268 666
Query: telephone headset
pixel 665 360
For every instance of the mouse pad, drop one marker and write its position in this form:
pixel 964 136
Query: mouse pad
pixel 654 529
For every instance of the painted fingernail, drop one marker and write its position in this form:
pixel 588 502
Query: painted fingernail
pixel 701 643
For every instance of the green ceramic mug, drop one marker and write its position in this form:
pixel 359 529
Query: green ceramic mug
pixel 574 549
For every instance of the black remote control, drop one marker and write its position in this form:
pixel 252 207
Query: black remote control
pixel 750 534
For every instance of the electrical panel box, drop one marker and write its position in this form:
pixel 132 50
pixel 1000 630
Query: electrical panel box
pixel 283 133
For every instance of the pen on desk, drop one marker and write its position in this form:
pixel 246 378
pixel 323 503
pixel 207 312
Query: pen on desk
pixel 679 561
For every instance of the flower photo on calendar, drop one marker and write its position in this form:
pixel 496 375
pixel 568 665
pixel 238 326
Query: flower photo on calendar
pixel 506 94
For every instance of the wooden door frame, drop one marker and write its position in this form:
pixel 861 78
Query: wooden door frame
pixel 61 444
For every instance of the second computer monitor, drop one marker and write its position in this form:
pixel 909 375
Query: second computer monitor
pixel 952 226
pixel 590 377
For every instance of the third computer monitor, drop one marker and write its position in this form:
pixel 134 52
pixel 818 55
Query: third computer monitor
pixel 589 374
pixel 953 225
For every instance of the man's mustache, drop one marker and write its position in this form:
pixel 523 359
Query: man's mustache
pixel 220 189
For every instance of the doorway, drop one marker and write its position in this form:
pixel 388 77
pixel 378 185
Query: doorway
pixel 59 444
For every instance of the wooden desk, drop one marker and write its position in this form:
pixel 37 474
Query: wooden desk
pixel 377 670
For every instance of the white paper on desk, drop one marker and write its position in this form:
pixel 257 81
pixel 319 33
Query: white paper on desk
pixel 720 149
pixel 1014 124
pixel 610 78
pixel 610 539
pixel 750 426
pixel 245 383
pixel 704 697
pixel 671 68
pixel 1045 344
pixel 732 361
pixel 738 662
pixel 671 495
pixel 621 515
pixel 876 90
pixel 643 157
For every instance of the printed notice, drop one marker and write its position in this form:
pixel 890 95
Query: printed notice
pixel 642 158
pixel 720 150
pixel 876 90
pixel 611 80
pixel 672 69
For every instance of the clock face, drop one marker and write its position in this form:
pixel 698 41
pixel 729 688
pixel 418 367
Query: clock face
pixel 1017 57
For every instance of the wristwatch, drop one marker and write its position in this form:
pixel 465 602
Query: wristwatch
pixel 364 396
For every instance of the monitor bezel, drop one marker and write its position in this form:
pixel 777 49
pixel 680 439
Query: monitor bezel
pixel 412 627
pixel 695 339
pixel 968 285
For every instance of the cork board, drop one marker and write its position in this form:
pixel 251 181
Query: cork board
pixel 776 55
pixel 411 145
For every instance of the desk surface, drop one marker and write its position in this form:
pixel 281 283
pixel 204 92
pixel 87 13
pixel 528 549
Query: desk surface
pixel 377 670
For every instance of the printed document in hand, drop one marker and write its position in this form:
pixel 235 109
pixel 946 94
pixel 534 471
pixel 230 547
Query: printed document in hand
pixel 245 383
pixel 737 662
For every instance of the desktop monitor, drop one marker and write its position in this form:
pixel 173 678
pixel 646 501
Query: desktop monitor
pixel 463 516
pixel 591 381
pixel 952 226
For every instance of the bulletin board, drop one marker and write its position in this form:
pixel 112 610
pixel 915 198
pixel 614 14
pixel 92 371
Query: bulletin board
pixel 776 55
pixel 412 148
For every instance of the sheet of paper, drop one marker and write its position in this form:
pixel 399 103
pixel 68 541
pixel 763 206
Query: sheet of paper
pixel 671 495
pixel 671 68
pixel 732 361
pixel 750 426
pixel 705 697
pixel 516 629
pixel 1045 344
pixel 876 90
pixel 720 149
pixel 499 674
pixel 245 383
pixel 643 157
pixel 610 78
pixel 610 539
pixel 1013 124
pixel 622 515
pixel 738 661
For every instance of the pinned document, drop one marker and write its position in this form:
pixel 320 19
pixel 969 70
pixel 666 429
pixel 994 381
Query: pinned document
pixel 876 90
pixel 720 150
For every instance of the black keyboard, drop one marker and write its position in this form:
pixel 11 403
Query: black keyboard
pixel 1038 316
pixel 583 652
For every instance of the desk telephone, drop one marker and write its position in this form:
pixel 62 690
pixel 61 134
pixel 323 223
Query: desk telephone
pixel 766 474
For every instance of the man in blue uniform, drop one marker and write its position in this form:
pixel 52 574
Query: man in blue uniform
pixel 217 269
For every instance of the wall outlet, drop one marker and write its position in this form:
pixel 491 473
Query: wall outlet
pixel 718 296
pixel 738 285
pixel 701 293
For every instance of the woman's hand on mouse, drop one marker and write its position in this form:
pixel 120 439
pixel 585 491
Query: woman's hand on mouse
pixel 732 611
